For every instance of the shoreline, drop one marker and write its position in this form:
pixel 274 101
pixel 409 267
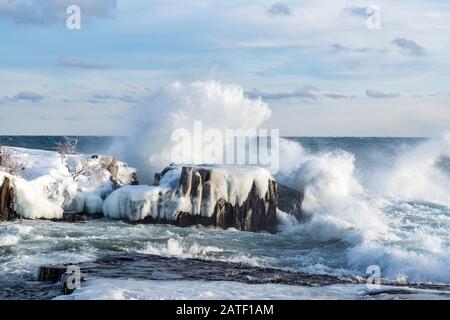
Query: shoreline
pixel 144 267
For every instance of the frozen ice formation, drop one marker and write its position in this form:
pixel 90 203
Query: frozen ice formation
pixel 243 198
pixel 70 187
pixel 50 185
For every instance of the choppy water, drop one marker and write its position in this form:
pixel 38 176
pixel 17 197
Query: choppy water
pixel 372 201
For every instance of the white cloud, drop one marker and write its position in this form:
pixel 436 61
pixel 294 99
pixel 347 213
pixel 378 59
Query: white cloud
pixel 409 47
pixel 381 95
pixel 357 11
pixel 26 96
pixel 307 93
pixel 315 44
pixel 279 9
pixel 73 62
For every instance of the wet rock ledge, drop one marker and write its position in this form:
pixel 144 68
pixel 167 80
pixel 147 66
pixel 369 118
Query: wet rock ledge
pixel 154 267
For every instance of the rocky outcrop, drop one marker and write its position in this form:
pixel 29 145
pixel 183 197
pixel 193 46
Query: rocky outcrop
pixel 121 174
pixel 201 187
pixel 7 212
pixel 290 201
pixel 243 198
pixel 256 213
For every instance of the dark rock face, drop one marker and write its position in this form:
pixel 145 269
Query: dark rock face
pixel 135 180
pixel 78 217
pixel 255 214
pixel 7 211
pixel 159 176
pixel 290 201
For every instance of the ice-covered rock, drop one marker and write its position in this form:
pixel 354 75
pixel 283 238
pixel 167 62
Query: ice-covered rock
pixel 51 185
pixel 244 198
pixel 74 187
pixel 96 177
pixel 138 203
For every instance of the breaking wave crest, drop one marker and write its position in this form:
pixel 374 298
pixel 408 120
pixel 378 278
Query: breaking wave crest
pixel 175 247
pixel 401 224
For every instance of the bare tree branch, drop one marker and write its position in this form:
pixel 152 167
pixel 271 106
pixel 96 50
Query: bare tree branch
pixel 10 163
pixel 91 167
pixel 88 167
pixel 68 146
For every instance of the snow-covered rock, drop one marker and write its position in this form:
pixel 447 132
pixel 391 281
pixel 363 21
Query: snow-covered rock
pixel 51 184
pixel 55 186
pixel 244 198
pixel 137 203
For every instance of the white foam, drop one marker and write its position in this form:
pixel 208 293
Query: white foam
pixel 175 247
pixel 335 198
pixel 9 240
pixel 405 240
pixel 399 263
pixel 286 222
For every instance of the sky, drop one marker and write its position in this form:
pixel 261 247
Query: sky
pixel 319 66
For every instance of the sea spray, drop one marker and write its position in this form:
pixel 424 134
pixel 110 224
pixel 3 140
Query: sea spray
pixel 422 173
pixel 178 105
pixel 408 240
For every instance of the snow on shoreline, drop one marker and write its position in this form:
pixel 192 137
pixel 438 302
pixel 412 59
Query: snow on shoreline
pixel 131 289
pixel 50 184
pixel 134 289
